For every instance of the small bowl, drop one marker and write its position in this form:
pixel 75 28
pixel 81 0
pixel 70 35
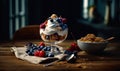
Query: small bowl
pixel 92 47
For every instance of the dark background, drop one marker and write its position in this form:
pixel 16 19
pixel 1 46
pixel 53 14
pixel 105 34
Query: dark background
pixel 39 10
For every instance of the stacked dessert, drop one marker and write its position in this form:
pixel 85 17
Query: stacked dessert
pixel 54 29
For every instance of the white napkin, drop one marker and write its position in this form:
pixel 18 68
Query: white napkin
pixel 20 52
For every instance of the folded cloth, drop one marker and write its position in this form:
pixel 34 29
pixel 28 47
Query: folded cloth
pixel 20 52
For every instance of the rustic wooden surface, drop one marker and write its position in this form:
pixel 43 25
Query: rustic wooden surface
pixel 110 60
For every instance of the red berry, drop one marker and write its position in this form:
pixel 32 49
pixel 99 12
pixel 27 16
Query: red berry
pixel 64 20
pixel 74 46
pixel 70 48
pixel 41 53
pixel 41 44
pixel 43 25
pixel 36 53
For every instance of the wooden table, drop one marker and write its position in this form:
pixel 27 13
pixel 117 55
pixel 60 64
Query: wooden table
pixel 108 61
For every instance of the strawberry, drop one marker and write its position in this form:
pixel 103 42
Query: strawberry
pixel 41 44
pixel 74 46
pixel 41 53
pixel 36 53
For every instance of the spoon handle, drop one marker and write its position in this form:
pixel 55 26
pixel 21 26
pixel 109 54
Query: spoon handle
pixel 48 64
pixel 110 38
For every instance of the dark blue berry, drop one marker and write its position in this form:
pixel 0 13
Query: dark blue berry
pixel 48 48
pixel 51 20
pixel 47 37
pixel 30 53
pixel 46 54
pixel 40 47
pixel 64 26
pixel 27 51
pixel 44 49
pixel 31 50
pixel 67 52
pixel 29 44
pixel 57 49
pixel 59 20
pixel 50 55
pixel 34 47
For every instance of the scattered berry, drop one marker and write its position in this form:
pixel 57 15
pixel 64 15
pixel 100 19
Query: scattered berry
pixel 64 20
pixel 45 48
pixel 40 47
pixel 74 46
pixel 68 52
pixel 36 53
pixel 50 55
pixel 48 48
pixel 41 44
pixel 29 44
pixel 41 53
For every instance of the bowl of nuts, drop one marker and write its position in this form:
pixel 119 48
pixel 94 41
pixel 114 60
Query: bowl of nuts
pixel 92 44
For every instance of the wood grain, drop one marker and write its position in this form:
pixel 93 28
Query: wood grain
pixel 85 62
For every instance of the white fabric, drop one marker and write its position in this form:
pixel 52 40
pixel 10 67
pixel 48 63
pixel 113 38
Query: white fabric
pixel 21 54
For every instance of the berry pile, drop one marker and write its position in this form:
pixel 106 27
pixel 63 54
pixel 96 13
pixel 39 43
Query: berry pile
pixel 40 50
pixel 72 49
pixel 71 52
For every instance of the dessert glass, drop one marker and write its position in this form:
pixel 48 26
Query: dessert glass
pixel 53 31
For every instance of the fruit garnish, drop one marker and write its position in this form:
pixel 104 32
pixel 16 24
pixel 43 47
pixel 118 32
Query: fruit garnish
pixel 51 55
pixel 36 53
pixel 41 44
pixel 39 53
pixel 40 47
pixel 42 53
pixel 74 46
pixel 64 20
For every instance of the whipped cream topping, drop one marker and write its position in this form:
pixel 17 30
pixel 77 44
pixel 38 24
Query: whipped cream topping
pixel 54 25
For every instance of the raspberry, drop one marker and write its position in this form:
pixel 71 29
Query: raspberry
pixel 43 25
pixel 41 44
pixel 41 53
pixel 36 53
pixel 74 46
pixel 64 20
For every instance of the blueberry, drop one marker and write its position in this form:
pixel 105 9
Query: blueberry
pixel 57 49
pixel 67 52
pixel 34 47
pixel 40 47
pixel 29 44
pixel 30 53
pixel 47 37
pixel 64 26
pixel 50 55
pixel 31 50
pixel 59 20
pixel 51 20
pixel 46 54
pixel 48 48
pixel 44 49
pixel 27 51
